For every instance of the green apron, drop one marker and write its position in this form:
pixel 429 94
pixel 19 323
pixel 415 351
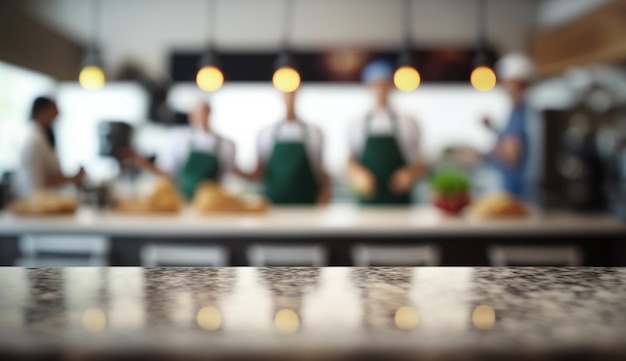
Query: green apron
pixel 289 175
pixel 200 166
pixel 382 156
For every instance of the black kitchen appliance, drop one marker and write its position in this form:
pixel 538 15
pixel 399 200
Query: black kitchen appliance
pixel 5 189
pixel 573 173
pixel 584 154
pixel 115 141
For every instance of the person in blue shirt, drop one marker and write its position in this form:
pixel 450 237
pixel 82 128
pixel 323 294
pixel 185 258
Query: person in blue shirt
pixel 513 155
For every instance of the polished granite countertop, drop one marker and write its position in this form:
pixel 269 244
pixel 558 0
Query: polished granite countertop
pixel 314 313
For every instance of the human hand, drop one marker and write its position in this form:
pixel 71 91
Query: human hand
pixel 79 176
pixel 468 155
pixel 323 198
pixel 487 122
pixel 364 182
pixel 401 181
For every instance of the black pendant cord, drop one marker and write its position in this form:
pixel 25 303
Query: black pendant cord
pixel 481 18
pixel 95 23
pixel 212 23
pixel 288 19
pixel 406 53
pixel 408 24
pixel 210 57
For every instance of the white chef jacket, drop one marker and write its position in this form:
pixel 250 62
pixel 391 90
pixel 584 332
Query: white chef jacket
pixel 290 130
pixel 407 132
pixel 37 161
pixel 173 155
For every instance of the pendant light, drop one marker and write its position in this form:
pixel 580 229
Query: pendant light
pixel 483 78
pixel 286 77
pixel 210 77
pixel 91 76
pixel 406 76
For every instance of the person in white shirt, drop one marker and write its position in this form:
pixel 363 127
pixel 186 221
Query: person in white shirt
pixel 195 154
pixel 40 168
pixel 290 161
pixel 385 158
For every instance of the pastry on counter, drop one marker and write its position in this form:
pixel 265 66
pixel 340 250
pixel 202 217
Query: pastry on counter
pixel 44 203
pixel 499 205
pixel 164 198
pixel 211 198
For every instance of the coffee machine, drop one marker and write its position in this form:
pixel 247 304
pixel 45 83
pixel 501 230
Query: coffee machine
pixel 585 152
pixel 115 141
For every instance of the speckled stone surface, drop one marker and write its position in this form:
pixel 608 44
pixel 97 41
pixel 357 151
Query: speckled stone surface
pixel 314 313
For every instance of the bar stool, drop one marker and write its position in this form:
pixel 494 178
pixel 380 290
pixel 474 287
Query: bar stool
pixel 155 255
pixel 569 255
pixel 278 255
pixel 63 250
pixel 372 255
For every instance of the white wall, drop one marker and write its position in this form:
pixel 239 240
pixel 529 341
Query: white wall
pixel 147 30
pixel 80 113
pixel 447 115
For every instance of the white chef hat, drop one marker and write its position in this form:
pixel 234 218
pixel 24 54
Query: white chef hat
pixel 516 66
pixel 184 98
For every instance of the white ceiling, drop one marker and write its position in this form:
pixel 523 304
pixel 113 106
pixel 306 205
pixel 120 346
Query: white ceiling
pixel 147 30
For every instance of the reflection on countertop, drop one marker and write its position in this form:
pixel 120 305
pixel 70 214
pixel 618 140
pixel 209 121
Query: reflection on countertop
pixel 433 313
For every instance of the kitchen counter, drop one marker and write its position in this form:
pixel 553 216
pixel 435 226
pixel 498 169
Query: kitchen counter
pixel 314 313
pixel 334 220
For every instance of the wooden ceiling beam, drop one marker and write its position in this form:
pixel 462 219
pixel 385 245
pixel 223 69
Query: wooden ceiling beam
pixel 598 37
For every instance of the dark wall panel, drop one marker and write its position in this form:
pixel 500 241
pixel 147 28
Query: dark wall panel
pixel 435 65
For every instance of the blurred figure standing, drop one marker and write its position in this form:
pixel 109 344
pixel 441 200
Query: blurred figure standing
pixel 516 153
pixel 194 155
pixel 290 161
pixel 385 159
pixel 40 168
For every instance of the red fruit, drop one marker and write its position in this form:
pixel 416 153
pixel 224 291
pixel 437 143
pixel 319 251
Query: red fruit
pixel 451 203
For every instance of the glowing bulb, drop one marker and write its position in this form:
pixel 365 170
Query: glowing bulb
pixel 406 78
pixel 286 79
pixel 209 318
pixel 286 321
pixel 94 320
pixel 91 77
pixel 483 78
pixel 209 78
pixel 406 318
pixel 483 317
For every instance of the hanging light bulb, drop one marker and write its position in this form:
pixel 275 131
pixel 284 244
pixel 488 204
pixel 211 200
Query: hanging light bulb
pixel 209 76
pixel 406 77
pixel 483 78
pixel 91 76
pixel 286 77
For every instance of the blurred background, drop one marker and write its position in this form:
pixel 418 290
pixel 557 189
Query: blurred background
pixel 149 51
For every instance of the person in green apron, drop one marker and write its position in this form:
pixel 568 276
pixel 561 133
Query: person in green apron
pixel 385 156
pixel 290 161
pixel 194 155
